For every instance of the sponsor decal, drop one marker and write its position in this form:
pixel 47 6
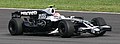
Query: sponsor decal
pixel 29 13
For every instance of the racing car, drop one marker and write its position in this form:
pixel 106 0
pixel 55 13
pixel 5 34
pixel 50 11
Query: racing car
pixel 51 22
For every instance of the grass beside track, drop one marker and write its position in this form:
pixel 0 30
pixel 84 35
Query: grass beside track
pixel 79 5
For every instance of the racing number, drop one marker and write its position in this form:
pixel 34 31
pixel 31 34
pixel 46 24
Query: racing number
pixel 42 16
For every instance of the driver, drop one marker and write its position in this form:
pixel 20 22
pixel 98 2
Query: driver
pixel 56 14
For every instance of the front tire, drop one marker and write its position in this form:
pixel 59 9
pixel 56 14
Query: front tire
pixel 15 26
pixel 99 22
pixel 66 28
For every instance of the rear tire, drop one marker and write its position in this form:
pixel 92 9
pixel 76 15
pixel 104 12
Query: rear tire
pixel 66 28
pixel 99 22
pixel 15 26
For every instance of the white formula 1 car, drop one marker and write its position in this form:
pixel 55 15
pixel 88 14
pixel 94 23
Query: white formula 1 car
pixel 35 21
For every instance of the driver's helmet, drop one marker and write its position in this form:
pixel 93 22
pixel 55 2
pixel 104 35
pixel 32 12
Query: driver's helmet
pixel 50 10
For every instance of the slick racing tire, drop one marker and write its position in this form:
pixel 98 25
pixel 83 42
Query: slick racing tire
pixel 99 22
pixel 65 28
pixel 15 26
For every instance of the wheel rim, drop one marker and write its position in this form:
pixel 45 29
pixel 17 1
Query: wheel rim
pixel 61 28
pixel 12 27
